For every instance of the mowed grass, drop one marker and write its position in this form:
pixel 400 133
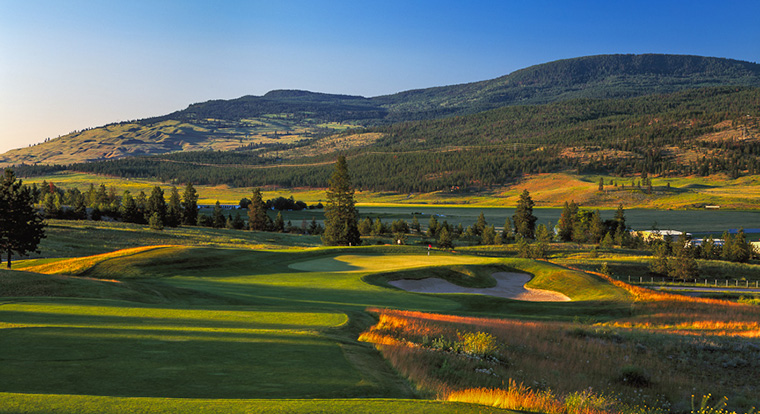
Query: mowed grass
pixel 44 404
pixel 102 347
pixel 219 322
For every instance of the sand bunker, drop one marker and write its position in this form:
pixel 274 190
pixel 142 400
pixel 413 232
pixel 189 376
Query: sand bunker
pixel 508 285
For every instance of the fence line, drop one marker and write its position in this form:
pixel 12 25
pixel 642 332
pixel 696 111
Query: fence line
pixel 738 283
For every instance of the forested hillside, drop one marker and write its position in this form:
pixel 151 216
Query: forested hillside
pixel 284 118
pixel 695 132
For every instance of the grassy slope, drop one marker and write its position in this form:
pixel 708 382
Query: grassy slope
pixel 547 190
pixel 214 318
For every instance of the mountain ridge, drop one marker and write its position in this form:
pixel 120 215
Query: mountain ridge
pixel 284 117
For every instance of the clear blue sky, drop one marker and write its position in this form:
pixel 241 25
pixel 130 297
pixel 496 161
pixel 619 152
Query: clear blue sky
pixel 68 64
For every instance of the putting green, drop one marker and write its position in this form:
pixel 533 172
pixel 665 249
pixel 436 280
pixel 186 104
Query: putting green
pixel 366 263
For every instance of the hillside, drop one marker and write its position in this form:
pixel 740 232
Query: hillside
pixel 704 132
pixel 282 119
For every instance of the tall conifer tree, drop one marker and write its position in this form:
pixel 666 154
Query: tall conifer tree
pixel 257 213
pixel 21 227
pixel 524 220
pixel 190 206
pixel 341 217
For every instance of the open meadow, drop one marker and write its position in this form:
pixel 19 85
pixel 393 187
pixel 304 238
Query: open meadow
pixel 114 317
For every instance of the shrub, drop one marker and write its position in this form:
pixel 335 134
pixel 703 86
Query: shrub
pixel 480 343
pixel 635 377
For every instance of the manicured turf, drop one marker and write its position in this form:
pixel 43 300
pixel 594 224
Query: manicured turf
pixel 45 404
pixel 215 323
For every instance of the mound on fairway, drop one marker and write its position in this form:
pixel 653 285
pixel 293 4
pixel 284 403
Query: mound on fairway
pixel 508 285
pixel 384 263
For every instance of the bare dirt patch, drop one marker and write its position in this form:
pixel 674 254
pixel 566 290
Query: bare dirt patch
pixel 508 285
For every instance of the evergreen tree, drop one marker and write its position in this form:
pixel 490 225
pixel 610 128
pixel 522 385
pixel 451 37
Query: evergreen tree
pixel 189 205
pixel 52 205
pixel 740 249
pixel 709 249
pixel 444 239
pixel 608 241
pixel 488 236
pixel 524 220
pixel 415 225
pixel 142 204
pixel 540 248
pixel 314 227
pixel 279 223
pixel 598 229
pixel 507 235
pixel 365 226
pixel 80 209
pixel 174 209
pixel 217 216
pixel 378 228
pixel 237 222
pixel 600 187
pixel 432 227
pixel 257 214
pixel 620 218
pixel 128 209
pixel 155 222
pixel 21 227
pixel 682 266
pixel 156 205
pixel 480 224
pixel 659 263
pixel 567 220
pixel 341 217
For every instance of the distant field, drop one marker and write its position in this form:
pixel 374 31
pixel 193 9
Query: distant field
pixel 547 190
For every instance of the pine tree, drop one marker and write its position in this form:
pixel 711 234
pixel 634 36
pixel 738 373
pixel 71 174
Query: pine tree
pixel 480 224
pixel 217 216
pixel 488 236
pixel 21 227
pixel 507 235
pixel 156 205
pixel 341 217
pixel 189 205
pixel 432 227
pixel 415 225
pixel 365 226
pixel 128 210
pixel 659 263
pixel 524 220
pixel 566 221
pixel 174 209
pixel 237 222
pixel 257 214
pixel 682 266
pixel 740 248
pixel 444 239
pixel 598 228
pixel 141 201
pixel 620 218
pixel 279 223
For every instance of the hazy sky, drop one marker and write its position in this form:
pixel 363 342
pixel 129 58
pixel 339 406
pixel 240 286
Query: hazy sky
pixel 67 65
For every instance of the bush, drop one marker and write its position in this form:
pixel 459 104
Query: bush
pixel 480 343
pixel 635 377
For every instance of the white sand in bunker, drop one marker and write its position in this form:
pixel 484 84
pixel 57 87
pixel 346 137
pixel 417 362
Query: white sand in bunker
pixel 508 285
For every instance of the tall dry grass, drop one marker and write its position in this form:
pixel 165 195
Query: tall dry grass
pixel 542 364
pixel 686 315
